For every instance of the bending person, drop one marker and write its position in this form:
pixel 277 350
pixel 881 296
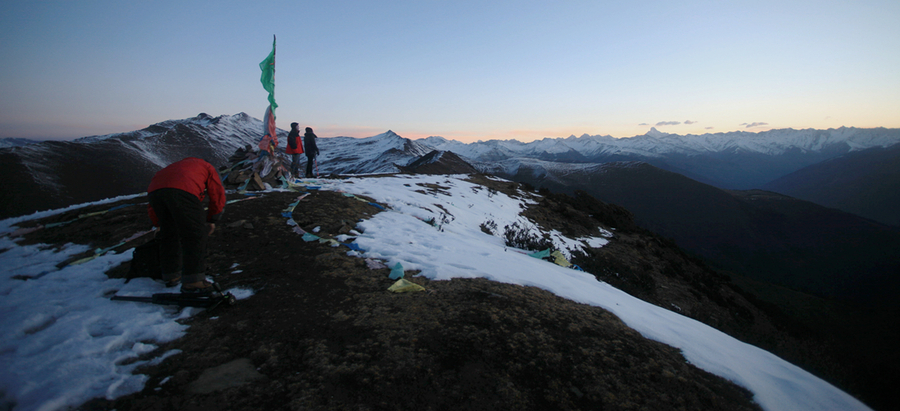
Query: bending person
pixel 176 207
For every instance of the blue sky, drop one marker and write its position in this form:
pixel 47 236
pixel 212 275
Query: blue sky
pixel 465 70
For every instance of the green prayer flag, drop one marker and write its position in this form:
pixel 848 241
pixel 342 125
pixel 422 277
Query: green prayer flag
pixel 268 75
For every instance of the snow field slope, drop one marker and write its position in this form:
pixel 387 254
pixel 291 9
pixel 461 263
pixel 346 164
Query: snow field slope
pixel 432 224
pixel 461 250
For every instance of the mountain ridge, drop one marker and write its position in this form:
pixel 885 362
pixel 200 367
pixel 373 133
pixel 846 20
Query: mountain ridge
pixel 865 182
pixel 733 160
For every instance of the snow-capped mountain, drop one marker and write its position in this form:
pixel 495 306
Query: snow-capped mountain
pixel 212 138
pixel 378 154
pixel 734 160
pixel 60 173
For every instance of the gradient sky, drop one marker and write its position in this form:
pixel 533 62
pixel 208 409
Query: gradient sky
pixel 465 70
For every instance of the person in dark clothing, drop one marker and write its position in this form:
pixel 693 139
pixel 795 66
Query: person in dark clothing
pixel 176 206
pixel 309 142
pixel 294 148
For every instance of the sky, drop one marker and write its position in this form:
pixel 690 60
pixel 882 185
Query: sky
pixel 463 70
pixel 61 323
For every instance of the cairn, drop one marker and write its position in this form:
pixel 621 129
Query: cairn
pixel 251 169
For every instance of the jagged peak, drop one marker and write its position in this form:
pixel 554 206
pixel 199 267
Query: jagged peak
pixel 390 134
pixel 439 162
pixel 655 133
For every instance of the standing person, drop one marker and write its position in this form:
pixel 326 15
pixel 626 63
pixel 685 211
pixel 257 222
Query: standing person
pixel 309 141
pixel 294 148
pixel 176 195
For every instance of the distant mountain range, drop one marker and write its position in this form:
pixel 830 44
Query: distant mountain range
pixel 735 160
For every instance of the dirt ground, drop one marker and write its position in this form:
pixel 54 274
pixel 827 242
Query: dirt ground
pixel 322 332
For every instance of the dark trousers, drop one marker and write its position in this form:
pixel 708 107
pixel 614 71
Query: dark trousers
pixel 309 165
pixel 182 234
pixel 295 165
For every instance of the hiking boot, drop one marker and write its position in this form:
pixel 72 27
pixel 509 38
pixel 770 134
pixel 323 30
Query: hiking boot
pixel 200 288
pixel 171 279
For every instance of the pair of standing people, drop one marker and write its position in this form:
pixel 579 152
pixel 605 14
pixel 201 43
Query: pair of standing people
pixel 295 148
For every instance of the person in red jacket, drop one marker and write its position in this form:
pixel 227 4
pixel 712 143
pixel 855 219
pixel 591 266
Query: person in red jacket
pixel 294 148
pixel 176 206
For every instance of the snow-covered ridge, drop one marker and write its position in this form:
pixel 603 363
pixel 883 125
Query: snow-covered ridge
pixel 461 250
pixel 656 143
pixel 16 142
pixel 541 168
pixel 225 124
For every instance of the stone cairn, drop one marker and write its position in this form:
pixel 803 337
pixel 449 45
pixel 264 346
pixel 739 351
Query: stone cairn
pixel 251 169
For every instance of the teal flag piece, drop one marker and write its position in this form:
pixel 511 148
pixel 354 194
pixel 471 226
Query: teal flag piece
pixel 396 272
pixel 541 254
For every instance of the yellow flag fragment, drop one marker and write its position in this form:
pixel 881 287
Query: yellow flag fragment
pixel 404 286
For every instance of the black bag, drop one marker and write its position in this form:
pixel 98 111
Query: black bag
pixel 145 261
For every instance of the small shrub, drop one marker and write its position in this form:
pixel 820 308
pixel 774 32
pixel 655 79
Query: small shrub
pixel 522 237
pixel 488 227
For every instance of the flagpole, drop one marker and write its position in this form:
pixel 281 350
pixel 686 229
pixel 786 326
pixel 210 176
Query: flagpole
pixel 273 66
pixel 273 128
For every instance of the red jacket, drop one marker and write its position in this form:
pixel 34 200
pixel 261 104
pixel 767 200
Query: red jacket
pixel 195 176
pixel 294 144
